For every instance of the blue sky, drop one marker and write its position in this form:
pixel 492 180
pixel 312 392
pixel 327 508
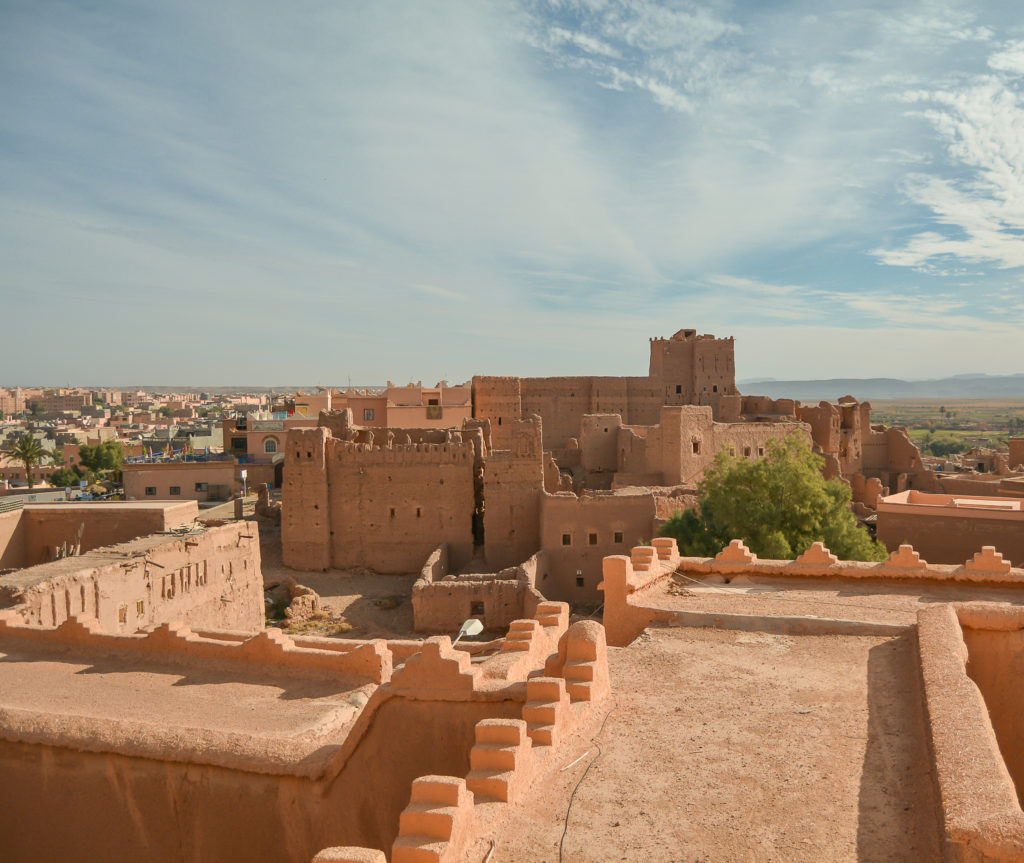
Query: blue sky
pixel 264 192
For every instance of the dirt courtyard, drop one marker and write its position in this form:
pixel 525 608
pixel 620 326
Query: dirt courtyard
pixel 732 747
pixel 375 606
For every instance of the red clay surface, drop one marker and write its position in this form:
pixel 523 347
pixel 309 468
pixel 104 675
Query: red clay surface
pixel 728 746
pixel 72 682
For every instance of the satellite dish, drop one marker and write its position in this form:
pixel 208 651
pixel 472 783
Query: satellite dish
pixel 470 628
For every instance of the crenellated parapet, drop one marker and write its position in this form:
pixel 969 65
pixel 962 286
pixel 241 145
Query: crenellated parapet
pixel 632 584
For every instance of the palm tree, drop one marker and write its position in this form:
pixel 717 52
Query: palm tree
pixel 29 452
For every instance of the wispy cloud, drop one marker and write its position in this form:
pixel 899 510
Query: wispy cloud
pixel 983 202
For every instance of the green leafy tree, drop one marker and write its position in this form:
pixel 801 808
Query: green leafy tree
pixel 36 409
pixel 165 410
pixel 778 506
pixel 108 455
pixel 29 452
pixel 943 445
pixel 65 477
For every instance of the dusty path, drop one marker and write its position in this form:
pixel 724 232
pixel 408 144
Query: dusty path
pixel 729 746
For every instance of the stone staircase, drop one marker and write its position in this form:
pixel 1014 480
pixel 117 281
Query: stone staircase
pixel 546 710
pixel 436 825
pixel 501 761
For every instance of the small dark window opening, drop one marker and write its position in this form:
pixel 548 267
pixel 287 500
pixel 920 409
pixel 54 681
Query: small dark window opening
pixel 419 512
pixel 746 450
pixel 606 431
pixel 151 491
pixel 175 490
pixel 760 450
pixel 618 536
pixel 566 539
pixel 391 512
pixel 592 538
pixel 433 402
pixel 679 388
pixel 579 581
pixel 715 388
pixel 499 420
pixel 696 447
pixel 476 609
pixel 309 454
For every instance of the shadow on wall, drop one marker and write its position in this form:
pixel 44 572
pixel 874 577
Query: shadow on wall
pixel 898 806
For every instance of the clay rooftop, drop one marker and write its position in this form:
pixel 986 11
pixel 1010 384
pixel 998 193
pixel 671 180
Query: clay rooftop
pixel 176 707
pixel 734 746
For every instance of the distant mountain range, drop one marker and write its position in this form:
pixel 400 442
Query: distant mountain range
pixel 969 386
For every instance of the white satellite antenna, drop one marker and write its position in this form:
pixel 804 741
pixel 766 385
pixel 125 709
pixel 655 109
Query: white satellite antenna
pixel 470 628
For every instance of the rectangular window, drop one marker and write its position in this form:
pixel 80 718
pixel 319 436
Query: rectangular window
pixel 592 539
pixel 679 389
pixel 714 389
pixel 579 579
pixel 746 450
pixel 618 537
pixel 566 539
pixel 760 450
pixel 239 443
pixel 140 607
pixel 367 414
pixel 202 486
pixel 150 491
pixel 696 447
pixel 391 512
pixel 175 490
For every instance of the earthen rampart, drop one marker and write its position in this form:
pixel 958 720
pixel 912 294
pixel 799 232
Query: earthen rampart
pixel 335 747
pixel 632 584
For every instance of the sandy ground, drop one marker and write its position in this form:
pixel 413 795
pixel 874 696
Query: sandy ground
pixel 727 746
pixel 351 594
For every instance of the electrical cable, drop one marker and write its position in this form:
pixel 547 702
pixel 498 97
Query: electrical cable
pixel 572 797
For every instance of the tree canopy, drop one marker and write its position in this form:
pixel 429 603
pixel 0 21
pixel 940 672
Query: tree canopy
pixel 64 477
pixel 29 451
pixel 778 505
pixel 108 455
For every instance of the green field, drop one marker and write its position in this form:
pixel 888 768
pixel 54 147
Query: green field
pixel 967 422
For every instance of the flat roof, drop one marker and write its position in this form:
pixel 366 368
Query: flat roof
pixel 236 714
pixel 724 745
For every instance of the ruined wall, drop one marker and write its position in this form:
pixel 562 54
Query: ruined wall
pixel 389 507
pixel 513 482
pixel 210 579
pixel 578 532
pixel 890 455
pixel 441 602
pixel 104 524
